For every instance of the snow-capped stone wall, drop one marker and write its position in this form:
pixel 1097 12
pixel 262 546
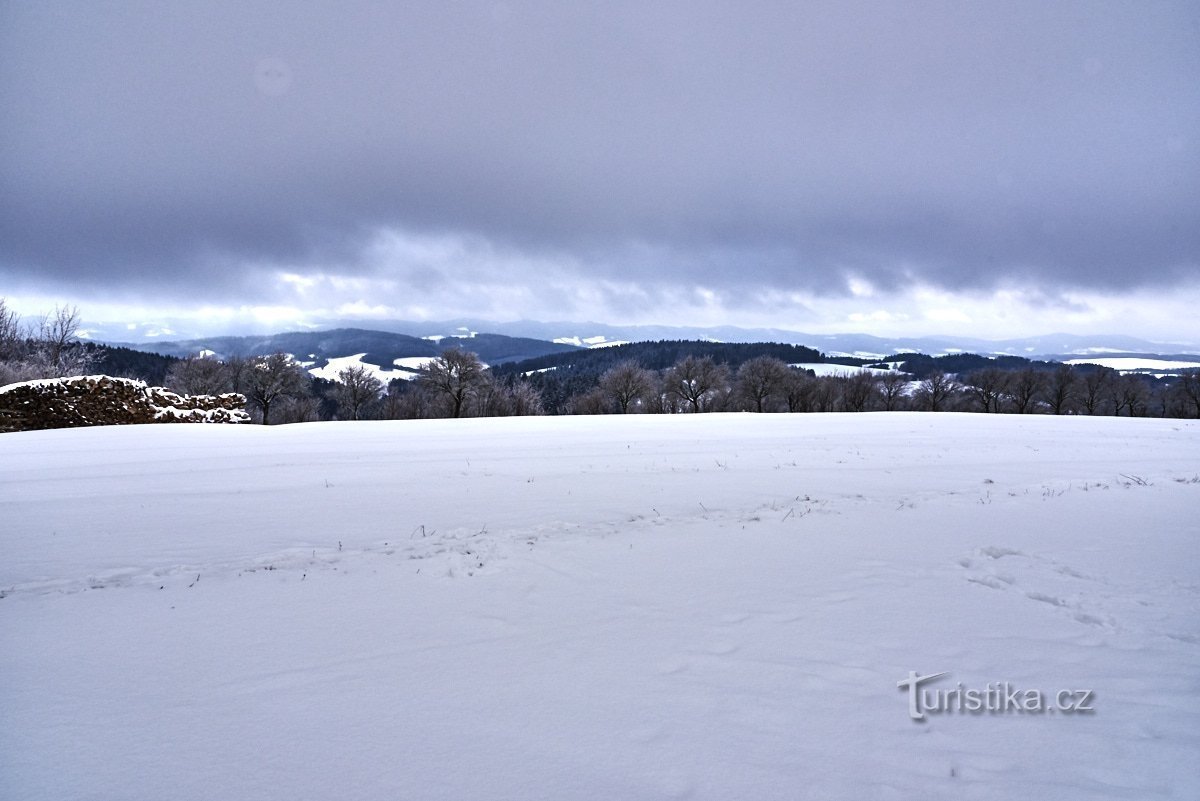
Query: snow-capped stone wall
pixel 100 400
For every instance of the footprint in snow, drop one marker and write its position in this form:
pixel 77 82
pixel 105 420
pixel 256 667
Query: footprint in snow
pixel 671 667
pixel 1046 581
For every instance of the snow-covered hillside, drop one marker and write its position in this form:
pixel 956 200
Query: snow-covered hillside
pixel 406 368
pixel 828 368
pixel 710 606
pixel 1132 364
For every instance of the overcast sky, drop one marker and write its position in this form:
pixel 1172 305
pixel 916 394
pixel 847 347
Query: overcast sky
pixel 992 169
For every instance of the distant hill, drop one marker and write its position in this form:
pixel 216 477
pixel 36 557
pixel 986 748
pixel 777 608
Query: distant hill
pixel 660 355
pixel 593 334
pixel 381 347
pixel 842 344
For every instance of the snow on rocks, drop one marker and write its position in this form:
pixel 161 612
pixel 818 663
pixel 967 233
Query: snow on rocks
pixel 102 400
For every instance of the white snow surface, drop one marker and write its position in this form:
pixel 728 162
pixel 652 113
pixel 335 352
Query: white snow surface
pixel 413 363
pixel 330 371
pixel 599 341
pixel 827 369
pixel 49 382
pixel 619 607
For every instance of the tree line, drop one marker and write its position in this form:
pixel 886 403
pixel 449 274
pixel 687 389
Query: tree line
pixel 458 384
pixel 645 378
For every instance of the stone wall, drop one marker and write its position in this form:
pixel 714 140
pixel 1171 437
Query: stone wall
pixel 99 400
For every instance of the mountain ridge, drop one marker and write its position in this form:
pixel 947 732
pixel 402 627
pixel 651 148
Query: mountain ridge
pixel 592 334
pixel 378 347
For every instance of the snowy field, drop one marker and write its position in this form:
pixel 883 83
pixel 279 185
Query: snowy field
pixel 823 369
pixel 710 607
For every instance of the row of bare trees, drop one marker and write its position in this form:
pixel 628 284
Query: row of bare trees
pixel 279 390
pixel 765 384
pixel 457 384
pixel 276 386
pixel 762 384
pixel 1067 389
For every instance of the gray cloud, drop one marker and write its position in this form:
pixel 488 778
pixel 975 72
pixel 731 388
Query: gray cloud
pixel 738 146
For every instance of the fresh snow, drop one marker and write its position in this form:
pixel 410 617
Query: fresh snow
pixel 50 382
pixel 411 364
pixel 406 367
pixel 827 369
pixel 632 607
pixel 600 341
pixel 330 371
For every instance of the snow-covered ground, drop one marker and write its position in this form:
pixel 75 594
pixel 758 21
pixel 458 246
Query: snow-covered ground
pixel 600 341
pixel 643 607
pixel 828 369
pixel 407 368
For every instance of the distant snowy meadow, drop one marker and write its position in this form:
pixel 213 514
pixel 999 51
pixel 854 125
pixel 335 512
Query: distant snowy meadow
pixel 635 607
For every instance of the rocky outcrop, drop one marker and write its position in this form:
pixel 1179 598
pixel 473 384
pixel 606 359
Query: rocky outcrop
pixel 100 400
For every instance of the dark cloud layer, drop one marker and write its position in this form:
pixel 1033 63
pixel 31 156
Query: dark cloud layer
pixel 740 145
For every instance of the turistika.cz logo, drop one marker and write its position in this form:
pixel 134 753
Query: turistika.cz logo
pixel 996 698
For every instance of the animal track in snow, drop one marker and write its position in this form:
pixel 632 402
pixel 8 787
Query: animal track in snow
pixel 1042 580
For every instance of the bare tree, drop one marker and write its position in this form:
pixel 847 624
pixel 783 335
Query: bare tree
pixel 493 398
pixel 1062 389
pixel 892 388
pixel 1025 389
pixel 200 375
pixel 268 379
pixel 297 409
pixel 506 399
pixel 935 391
pixel 761 379
pixel 356 391
pixel 57 329
pixel 664 401
pixel 594 401
pixel 526 400
pixel 696 381
pixel 1095 389
pixel 513 398
pixel 859 391
pixel 408 401
pixel 1161 401
pixel 628 385
pixel 824 393
pixel 798 390
pixel 455 376
pixel 57 351
pixel 11 335
pixel 1188 386
pixel 987 388
pixel 49 348
pixel 1129 392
